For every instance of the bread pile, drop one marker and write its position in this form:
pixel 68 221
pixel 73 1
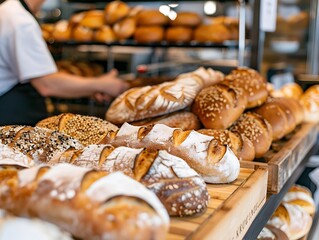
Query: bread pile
pixel 294 215
pixel 119 21
pixel 79 68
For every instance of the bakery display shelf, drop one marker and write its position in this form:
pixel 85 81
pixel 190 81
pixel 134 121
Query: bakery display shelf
pixel 162 44
pixel 273 200
pixel 285 156
pixel 231 209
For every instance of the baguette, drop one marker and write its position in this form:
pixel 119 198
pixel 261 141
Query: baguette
pixel 150 101
pixel 181 190
pixel 214 162
pixel 86 203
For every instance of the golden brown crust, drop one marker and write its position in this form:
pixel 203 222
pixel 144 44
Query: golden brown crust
pixel 93 19
pixel 115 11
pixel 218 106
pixel 125 28
pixel 216 33
pixel 82 34
pixel 62 31
pixel 151 17
pixel 186 19
pixel 184 120
pixel 256 129
pixel 179 34
pixel 238 143
pixel 252 83
pixel 105 34
pixel 149 34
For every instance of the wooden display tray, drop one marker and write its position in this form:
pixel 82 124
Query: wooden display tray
pixel 285 156
pixel 231 209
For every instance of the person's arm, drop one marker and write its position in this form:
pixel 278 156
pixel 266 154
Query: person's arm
pixel 70 86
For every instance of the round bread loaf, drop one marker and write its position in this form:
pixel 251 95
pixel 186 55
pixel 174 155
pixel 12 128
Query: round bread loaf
pixel 93 19
pixel 238 143
pixel 151 17
pixel 219 106
pixel 61 31
pixel 115 11
pixel 184 120
pixel 272 233
pixel 82 34
pixel 187 19
pixel 216 33
pixel 301 196
pixel 310 102
pixel 292 90
pixel 105 34
pixel 256 129
pixel 149 34
pixel 76 18
pixel 179 34
pixel 125 28
pixel 251 82
pixel 291 219
pixel 276 117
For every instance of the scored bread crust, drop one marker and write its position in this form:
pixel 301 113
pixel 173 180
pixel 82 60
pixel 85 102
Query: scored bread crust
pixel 181 190
pixel 86 203
pixel 215 163
pixel 150 101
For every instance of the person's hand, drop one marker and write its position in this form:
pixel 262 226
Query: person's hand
pixel 100 97
pixel 113 86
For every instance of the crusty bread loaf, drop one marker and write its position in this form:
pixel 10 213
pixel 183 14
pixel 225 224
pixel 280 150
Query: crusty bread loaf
pixel 242 147
pixel 276 117
pixel 187 19
pixel 181 190
pixel 13 157
pixel 29 228
pixel 302 197
pixel 310 102
pixel 93 19
pixel 291 219
pixel 256 129
pixel 151 17
pixel 149 34
pixel 219 106
pixel 179 34
pixel 62 31
pixel 86 203
pixel 125 28
pixel 216 33
pixel 270 232
pixel 215 163
pixel 82 34
pixel 181 119
pixel 115 11
pixel 105 34
pixel 291 105
pixel 291 90
pixel 150 101
pixel 251 82
pixel 40 144
pixel 86 129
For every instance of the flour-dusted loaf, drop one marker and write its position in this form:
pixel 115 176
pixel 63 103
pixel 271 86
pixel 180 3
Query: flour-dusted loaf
pixel 150 101
pixel 86 129
pixel 86 203
pixel 291 219
pixel 181 190
pixel 242 147
pixel 214 162
pixel 20 228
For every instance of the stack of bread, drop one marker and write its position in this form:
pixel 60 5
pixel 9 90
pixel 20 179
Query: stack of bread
pixel 294 214
pixel 119 21
pixel 80 68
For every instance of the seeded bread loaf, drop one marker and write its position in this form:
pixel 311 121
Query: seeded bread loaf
pixel 256 129
pixel 252 83
pixel 219 106
pixel 87 129
pixel 150 101
pixel 86 203
pixel 214 162
pixel 180 189
pixel 242 147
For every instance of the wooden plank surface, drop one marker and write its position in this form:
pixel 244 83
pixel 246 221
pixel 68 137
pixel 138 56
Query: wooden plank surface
pixel 231 209
pixel 285 155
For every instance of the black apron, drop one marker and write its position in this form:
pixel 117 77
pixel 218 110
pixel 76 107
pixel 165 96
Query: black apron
pixel 22 104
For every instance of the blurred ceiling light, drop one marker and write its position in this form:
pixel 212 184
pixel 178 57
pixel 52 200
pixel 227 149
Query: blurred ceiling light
pixel 172 15
pixel 210 7
pixel 164 9
pixel 173 5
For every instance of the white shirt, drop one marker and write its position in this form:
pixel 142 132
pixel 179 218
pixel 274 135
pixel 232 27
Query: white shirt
pixel 23 52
